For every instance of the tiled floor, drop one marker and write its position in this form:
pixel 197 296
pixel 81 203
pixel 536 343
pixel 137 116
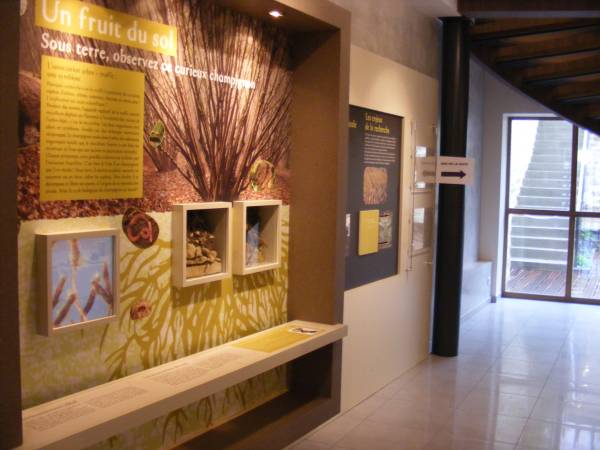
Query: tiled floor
pixel 527 378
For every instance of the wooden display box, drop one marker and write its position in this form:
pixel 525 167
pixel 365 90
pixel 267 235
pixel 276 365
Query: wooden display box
pixel 257 236
pixel 201 234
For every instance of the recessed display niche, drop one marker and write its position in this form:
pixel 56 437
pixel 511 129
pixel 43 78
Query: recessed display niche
pixel 201 243
pixel 257 236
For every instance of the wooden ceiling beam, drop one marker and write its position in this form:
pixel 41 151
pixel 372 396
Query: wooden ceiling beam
pixel 487 27
pixel 565 77
pixel 555 62
pixel 548 57
pixel 582 44
pixel 552 30
pixel 580 99
pixel 585 116
pixel 529 8
pixel 589 112
pixel 577 92
pixel 583 69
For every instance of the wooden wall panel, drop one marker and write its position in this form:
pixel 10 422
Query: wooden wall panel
pixel 530 8
pixel 10 375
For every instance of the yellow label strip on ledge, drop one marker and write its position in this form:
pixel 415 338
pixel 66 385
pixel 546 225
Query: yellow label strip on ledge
pixel 276 339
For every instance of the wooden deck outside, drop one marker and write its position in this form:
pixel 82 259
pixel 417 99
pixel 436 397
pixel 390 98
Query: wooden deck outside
pixel 586 284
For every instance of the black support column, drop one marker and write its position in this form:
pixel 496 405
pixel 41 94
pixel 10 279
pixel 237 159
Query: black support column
pixel 451 200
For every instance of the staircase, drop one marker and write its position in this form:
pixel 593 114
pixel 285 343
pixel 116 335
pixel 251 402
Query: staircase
pixel 553 60
pixel 541 242
pixel 550 51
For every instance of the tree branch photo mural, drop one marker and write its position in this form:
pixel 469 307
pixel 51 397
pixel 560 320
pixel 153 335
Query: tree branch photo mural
pixel 218 132
pixel 218 110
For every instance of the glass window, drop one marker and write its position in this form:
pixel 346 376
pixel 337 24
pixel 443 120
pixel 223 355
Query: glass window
pixel 586 264
pixel 540 164
pixel 537 254
pixel 588 172
pixel 545 257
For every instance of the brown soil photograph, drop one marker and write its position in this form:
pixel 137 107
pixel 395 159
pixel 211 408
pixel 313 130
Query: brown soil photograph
pixel 375 181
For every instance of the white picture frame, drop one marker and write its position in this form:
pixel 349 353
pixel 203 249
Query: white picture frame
pixel 78 280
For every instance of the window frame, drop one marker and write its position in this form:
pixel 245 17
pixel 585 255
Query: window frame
pixel 571 213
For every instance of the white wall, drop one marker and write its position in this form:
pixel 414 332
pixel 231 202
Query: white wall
pixel 397 30
pixel 389 320
pixel 501 100
pixel 476 274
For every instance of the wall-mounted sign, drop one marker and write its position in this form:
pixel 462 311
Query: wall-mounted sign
pixel 425 170
pixel 373 189
pixel 444 170
pixel 455 170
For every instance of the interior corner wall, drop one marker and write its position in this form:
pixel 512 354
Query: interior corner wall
pixel 476 274
pixel 501 100
pixel 475 151
pixel 396 30
pixel 389 319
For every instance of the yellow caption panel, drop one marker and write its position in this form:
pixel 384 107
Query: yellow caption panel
pixel 92 120
pixel 368 232
pixel 273 340
pixel 96 22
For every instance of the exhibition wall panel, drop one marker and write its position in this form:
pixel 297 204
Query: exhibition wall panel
pixel 127 108
pixel 389 319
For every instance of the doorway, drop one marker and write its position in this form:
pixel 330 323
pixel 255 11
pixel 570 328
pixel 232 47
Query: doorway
pixel 552 213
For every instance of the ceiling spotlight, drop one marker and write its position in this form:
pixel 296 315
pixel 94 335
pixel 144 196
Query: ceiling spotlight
pixel 275 13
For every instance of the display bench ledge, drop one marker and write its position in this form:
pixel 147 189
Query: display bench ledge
pixel 93 415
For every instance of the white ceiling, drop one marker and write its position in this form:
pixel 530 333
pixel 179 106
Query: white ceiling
pixel 435 8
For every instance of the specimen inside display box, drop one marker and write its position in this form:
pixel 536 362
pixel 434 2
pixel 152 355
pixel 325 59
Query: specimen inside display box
pixel 256 246
pixel 201 236
pixel 79 275
pixel 202 255
pixel 257 242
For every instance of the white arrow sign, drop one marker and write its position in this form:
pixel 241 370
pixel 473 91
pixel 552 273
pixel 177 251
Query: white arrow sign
pixel 455 170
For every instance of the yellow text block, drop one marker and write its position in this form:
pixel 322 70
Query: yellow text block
pixel 368 232
pixel 92 120
pixel 96 22
pixel 272 340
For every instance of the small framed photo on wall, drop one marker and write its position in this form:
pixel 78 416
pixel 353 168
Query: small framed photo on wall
pixel 78 279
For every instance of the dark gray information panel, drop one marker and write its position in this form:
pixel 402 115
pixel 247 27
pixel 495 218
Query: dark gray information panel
pixel 373 184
